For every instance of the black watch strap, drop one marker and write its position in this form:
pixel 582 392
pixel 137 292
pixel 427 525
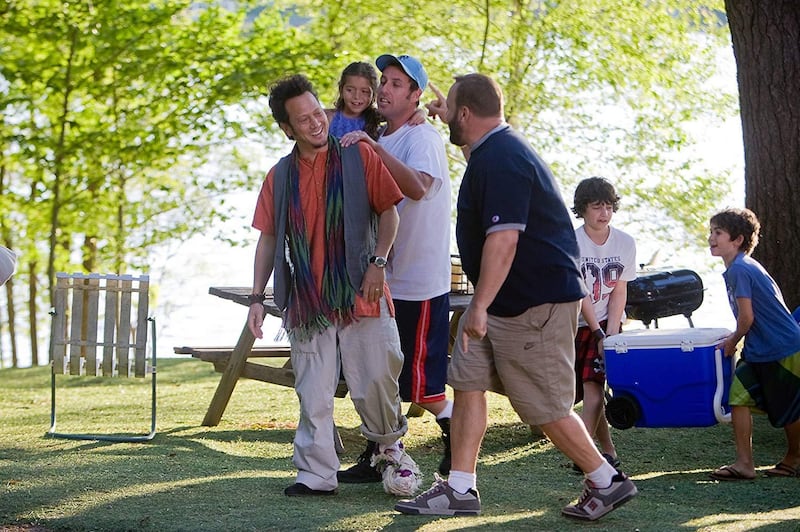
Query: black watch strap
pixel 378 261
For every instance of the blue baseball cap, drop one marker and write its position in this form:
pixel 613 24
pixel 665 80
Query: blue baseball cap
pixel 410 66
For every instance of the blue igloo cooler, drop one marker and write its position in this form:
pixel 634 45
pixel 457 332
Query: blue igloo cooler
pixel 667 378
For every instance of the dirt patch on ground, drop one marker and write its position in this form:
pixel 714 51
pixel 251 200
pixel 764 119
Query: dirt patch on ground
pixel 23 528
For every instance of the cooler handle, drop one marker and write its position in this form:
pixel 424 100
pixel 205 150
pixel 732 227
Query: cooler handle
pixel 719 411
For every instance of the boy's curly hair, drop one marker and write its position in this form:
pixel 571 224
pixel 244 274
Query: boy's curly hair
pixel 739 222
pixel 591 190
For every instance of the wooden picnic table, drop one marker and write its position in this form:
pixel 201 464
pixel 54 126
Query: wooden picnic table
pixel 233 363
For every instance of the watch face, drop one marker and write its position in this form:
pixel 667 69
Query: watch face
pixel 380 262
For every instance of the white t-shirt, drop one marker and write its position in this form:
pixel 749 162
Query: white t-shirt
pixel 419 263
pixel 603 265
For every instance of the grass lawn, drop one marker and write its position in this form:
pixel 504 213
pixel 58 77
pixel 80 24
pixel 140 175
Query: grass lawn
pixel 231 477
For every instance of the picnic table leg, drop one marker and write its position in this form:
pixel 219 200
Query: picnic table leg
pixel 229 377
pixel 337 440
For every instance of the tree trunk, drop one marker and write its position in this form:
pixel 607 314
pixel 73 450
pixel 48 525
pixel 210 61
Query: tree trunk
pixel 33 293
pixel 766 44
pixel 5 234
pixel 12 320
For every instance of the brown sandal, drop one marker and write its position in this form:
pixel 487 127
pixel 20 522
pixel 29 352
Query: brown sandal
pixel 729 473
pixel 782 469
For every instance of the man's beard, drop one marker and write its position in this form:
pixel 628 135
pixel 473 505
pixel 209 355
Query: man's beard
pixel 456 133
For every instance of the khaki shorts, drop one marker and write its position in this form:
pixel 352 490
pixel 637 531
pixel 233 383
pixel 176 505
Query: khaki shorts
pixel 529 358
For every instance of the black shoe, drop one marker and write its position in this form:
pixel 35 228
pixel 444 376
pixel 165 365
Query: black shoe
pixel 301 490
pixel 444 465
pixel 613 461
pixel 362 472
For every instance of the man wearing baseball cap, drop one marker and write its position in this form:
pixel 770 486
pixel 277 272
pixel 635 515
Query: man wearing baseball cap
pixel 418 269
pixel 410 65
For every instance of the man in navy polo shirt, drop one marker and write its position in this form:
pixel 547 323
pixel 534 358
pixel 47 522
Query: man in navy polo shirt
pixel 518 248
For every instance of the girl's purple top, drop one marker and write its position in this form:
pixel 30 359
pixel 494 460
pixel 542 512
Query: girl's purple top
pixel 341 124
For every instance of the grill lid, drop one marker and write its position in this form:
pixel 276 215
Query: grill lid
pixel 663 293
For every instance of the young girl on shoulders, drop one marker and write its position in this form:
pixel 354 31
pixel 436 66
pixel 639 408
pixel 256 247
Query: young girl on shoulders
pixel 355 108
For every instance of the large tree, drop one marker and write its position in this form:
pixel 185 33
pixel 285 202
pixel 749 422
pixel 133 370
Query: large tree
pixel 112 111
pixel 766 43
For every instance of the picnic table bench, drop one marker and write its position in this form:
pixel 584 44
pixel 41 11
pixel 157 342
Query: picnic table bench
pixel 233 361
pixel 220 357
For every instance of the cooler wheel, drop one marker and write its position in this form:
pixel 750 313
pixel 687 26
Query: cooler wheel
pixel 623 412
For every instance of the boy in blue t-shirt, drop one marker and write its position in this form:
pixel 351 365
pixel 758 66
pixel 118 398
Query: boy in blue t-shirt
pixel 767 378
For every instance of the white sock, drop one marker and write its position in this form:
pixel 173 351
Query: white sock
pixel 602 476
pixel 447 412
pixel 462 481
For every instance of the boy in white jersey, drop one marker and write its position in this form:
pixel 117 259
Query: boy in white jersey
pixel 607 262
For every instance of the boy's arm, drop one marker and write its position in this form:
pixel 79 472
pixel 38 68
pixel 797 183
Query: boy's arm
pixel 743 323
pixel 616 305
pixel 587 311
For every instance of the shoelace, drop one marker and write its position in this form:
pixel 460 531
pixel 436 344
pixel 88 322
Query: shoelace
pixel 587 493
pixel 438 485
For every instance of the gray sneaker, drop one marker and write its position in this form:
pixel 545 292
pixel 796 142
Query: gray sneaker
pixel 441 499
pixel 594 503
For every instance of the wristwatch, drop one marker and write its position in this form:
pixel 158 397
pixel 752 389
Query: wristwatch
pixel 252 299
pixel 380 262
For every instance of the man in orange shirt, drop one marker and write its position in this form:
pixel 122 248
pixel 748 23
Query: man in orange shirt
pixel 328 219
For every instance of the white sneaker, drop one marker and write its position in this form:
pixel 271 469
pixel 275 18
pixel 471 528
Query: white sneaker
pixel 400 472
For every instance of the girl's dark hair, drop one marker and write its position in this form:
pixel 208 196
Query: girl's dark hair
pixel 372 118
pixel 591 190
pixel 739 222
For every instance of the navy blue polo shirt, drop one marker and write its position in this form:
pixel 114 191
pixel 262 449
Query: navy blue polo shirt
pixel 507 185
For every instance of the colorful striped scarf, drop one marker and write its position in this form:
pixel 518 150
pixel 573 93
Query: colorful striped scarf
pixel 309 312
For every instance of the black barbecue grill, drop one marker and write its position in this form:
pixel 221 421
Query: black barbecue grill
pixel 663 293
